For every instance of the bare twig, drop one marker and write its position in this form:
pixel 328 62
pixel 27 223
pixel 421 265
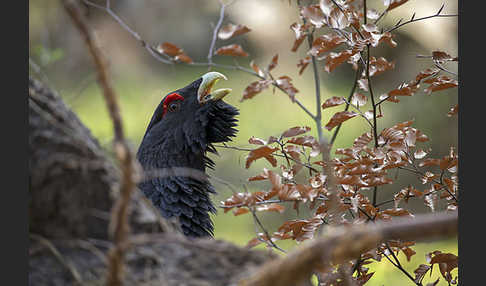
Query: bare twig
pixel 58 255
pixel 353 89
pixel 342 244
pixel 412 20
pixel 134 34
pixel 267 235
pixel 215 32
pixel 119 226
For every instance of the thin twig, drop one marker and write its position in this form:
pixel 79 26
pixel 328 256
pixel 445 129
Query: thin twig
pixel 215 32
pixel 74 272
pixel 134 34
pixel 420 19
pixel 267 235
pixel 353 89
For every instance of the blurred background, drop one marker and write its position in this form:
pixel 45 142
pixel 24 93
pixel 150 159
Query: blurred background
pixel 58 56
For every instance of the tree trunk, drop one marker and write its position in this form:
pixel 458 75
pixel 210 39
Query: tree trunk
pixel 72 186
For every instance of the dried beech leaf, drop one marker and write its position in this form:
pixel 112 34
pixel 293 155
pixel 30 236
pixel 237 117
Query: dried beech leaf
pixel 173 51
pixel 380 65
pixel 284 82
pixel 255 88
pixel 256 141
pixel 271 207
pixel 440 83
pixel 392 4
pixel 404 89
pixel 333 101
pixel 339 118
pixel 325 43
pixel 420 272
pixel 453 111
pixel 303 63
pixel 262 152
pixel 337 19
pixel 257 69
pixel 300 34
pixel 314 15
pixel 234 50
pixel 333 60
pixel 183 58
pixel 294 131
pixel 231 30
pixel 359 99
pixel 273 63
pixel 363 140
pixel 169 49
pixel 441 57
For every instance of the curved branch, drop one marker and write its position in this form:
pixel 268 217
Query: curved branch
pixel 343 244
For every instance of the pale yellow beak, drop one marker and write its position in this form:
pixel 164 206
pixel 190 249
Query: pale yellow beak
pixel 204 93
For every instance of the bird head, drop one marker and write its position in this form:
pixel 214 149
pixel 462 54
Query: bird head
pixel 192 118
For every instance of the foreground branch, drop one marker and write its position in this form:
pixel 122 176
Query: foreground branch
pixel 119 222
pixel 346 243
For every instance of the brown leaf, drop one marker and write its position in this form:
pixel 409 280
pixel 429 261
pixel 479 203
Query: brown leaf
pixel 392 4
pixel 285 83
pixel 441 57
pixel 440 83
pixel 426 73
pixel 257 69
pixel 420 272
pixel 405 89
pixel 339 118
pixel 256 141
pixel 294 131
pixel 325 43
pixel 234 50
pixel 255 88
pixel 453 111
pixel 429 162
pixel 303 63
pixel 358 99
pixel 183 58
pixel 380 65
pixel 447 262
pixel 231 30
pixel 337 19
pixel 306 140
pixel 273 207
pixel 333 101
pixel 169 49
pixel 262 152
pixel 273 63
pixel 333 60
pixel 314 15
pixel 363 140
pixel 300 34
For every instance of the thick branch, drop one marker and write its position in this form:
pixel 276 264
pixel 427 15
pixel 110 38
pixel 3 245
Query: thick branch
pixel 346 243
pixel 119 223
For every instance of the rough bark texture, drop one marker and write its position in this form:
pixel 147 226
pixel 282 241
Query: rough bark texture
pixel 71 179
pixel 72 188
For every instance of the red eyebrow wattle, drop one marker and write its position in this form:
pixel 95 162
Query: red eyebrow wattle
pixel 169 98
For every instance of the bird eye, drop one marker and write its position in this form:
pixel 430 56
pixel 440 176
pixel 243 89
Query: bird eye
pixel 174 106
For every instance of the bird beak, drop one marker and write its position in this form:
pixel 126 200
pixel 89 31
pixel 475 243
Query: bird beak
pixel 204 93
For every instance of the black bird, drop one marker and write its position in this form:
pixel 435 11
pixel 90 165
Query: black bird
pixel 178 138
